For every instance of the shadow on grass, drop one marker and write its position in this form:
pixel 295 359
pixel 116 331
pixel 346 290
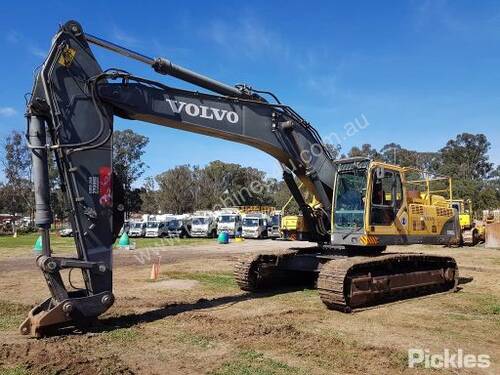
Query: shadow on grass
pixel 133 319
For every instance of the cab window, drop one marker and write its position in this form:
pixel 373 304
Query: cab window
pixel 387 196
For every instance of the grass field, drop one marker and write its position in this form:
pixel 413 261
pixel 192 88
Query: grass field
pixel 23 244
pixel 195 320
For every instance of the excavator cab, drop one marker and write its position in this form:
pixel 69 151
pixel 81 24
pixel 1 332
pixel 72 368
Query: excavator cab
pixel 377 204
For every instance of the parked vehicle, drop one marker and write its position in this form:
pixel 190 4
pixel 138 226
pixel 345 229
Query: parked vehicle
pixel 137 229
pixel 179 228
pixel 273 230
pixel 255 225
pixel 203 224
pixel 66 232
pixel 156 229
pixel 230 223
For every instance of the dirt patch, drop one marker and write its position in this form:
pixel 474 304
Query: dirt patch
pixel 175 284
pixel 60 356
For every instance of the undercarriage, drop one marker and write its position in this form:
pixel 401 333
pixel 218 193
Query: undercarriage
pixel 346 282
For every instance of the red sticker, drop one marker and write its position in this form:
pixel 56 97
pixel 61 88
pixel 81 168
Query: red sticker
pixel 105 186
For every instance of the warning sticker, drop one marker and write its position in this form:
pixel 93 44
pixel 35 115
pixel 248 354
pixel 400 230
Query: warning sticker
pixel 105 186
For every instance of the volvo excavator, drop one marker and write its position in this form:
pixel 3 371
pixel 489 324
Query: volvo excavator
pixel 70 115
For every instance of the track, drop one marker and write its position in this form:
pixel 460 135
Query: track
pixel 260 271
pixel 357 282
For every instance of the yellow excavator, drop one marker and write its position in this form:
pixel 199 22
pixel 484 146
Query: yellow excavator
pixel 364 205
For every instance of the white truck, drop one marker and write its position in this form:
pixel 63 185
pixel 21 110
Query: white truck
pixel 230 222
pixel 137 229
pixel 203 224
pixel 179 226
pixel 158 227
pixel 274 228
pixel 255 225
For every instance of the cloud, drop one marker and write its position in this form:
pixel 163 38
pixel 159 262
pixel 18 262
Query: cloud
pixel 124 37
pixel 14 37
pixel 248 36
pixel 7 111
pixel 38 52
pixel 449 17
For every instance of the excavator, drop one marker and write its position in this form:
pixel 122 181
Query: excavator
pixel 70 115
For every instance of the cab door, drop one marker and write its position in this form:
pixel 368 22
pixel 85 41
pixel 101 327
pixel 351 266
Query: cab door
pixel 385 211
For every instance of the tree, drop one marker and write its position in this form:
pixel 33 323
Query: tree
pixel 128 149
pixel 185 188
pixel 395 154
pixel 466 157
pixel 334 150
pixel 227 184
pixel 366 150
pixel 16 192
pixel 176 190
pixel 466 160
pixel 150 196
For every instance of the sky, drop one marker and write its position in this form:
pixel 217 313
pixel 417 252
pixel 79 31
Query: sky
pixel 416 73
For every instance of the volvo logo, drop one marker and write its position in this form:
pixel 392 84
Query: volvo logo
pixel 203 111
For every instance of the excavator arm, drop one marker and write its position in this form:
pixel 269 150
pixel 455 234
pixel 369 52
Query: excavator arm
pixel 70 114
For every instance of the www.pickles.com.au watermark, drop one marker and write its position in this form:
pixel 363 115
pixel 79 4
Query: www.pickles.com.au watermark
pixel 448 359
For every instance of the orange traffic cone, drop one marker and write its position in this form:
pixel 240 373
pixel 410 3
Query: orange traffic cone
pixel 155 270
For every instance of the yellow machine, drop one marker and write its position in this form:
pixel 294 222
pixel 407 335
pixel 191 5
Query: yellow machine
pixel 471 232
pixel 294 227
pixel 378 204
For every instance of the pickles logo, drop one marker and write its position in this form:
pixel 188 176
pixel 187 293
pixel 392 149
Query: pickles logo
pixel 447 359
pixel 202 111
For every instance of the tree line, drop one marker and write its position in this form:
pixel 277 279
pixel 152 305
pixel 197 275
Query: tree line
pixel 186 188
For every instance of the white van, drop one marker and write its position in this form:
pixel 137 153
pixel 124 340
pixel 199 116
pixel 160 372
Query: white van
pixel 137 229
